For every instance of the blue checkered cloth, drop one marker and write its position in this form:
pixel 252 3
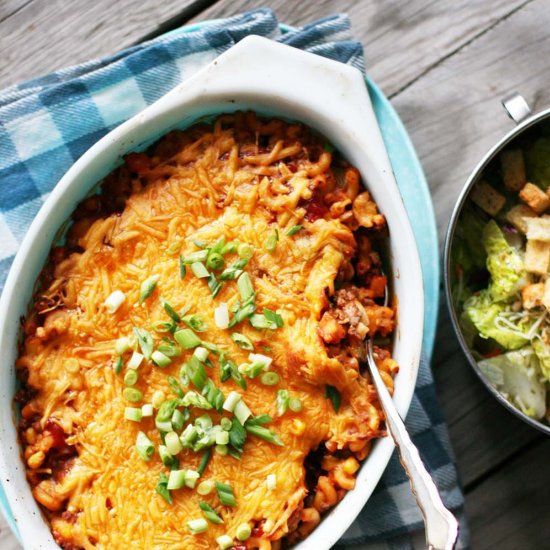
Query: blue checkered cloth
pixel 46 124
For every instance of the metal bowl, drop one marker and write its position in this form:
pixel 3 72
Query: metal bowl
pixel 528 127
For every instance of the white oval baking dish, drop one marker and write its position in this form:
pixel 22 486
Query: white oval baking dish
pixel 272 79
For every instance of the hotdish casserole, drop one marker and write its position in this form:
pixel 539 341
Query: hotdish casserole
pixel 192 372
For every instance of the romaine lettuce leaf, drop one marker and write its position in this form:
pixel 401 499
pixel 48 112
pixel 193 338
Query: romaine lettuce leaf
pixel 504 263
pixel 537 161
pixel 482 311
pixel 542 349
pixel 516 375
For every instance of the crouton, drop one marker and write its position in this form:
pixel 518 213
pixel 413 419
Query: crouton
pixel 546 297
pixel 487 198
pixel 516 216
pixel 537 257
pixel 532 295
pixel 513 169
pixel 535 197
pixel 538 229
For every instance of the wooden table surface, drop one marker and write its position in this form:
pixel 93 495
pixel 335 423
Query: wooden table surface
pixel 445 66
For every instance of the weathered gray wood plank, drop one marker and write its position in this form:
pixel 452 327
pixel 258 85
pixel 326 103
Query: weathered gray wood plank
pixel 44 36
pixel 510 511
pixel 402 39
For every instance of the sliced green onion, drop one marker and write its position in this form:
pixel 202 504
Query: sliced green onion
pixel 271 482
pixel 205 487
pixel 162 488
pixel 225 494
pixel 144 447
pixel 169 348
pixel 201 353
pixel 178 420
pixel 194 257
pixel 243 532
pixel 170 311
pixel 273 317
pixel 242 412
pixel 271 242
pixel 145 341
pixel 196 400
pixel 114 301
pixel 197 526
pixel 234 270
pixel 259 420
pixel 225 423
pixel 147 288
pixel 260 358
pixel 166 458
pixel 283 398
pixel 295 404
pixel 172 442
pixel 245 251
pixel 122 345
pixel 224 542
pixel 215 261
pixel 293 230
pixel 209 513
pixel 211 347
pixel 191 478
pixel 160 359
pixel 219 246
pixel 183 269
pixel 202 466
pixel 163 425
pixel 174 248
pixel 242 341
pixel 203 422
pixel 199 270
pixel 163 326
pixel 242 313
pixel 264 433
pixel 221 450
pixel 260 321
pixel 200 243
pixel 147 410
pixel 130 377
pixel 166 410
pixel 196 373
pixel 214 395
pixel 176 480
pixel 231 401
pixel 119 363
pixel 334 395
pixel 188 436
pixel 221 316
pixel 214 285
pixel 222 438
pixel 269 378
pixel 133 414
pixel 237 435
pixel 132 394
pixel 244 284
pixel 135 360
pixel 186 338
pixel 195 322
pixel 158 398
pixel 235 453
pixel 229 248
pixel 254 370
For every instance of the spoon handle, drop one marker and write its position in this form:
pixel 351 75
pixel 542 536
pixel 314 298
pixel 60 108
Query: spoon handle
pixel 441 525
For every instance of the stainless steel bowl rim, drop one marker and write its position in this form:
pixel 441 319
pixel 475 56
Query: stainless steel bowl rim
pixel 531 121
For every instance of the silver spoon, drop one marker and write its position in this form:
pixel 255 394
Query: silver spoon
pixel 441 525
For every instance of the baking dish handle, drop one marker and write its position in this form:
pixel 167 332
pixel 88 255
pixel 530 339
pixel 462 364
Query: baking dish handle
pixel 517 108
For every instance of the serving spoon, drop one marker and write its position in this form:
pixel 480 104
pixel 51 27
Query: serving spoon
pixel 441 525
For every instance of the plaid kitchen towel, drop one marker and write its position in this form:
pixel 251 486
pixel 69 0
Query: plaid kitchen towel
pixel 46 124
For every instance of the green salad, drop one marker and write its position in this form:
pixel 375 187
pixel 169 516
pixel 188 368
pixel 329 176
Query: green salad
pixel 500 275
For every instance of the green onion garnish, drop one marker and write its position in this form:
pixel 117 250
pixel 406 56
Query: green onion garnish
pixel 174 386
pixel 144 447
pixel 237 435
pixel 205 487
pixel 183 269
pixel 147 288
pixel 229 248
pixel 132 413
pixel 259 420
pixel 188 436
pixel 244 284
pixel 260 322
pixel 191 478
pixel 166 410
pixel 130 377
pixel 204 463
pixel 224 542
pixel 197 526
pixel 211 347
pixel 295 404
pixel 165 456
pixel 170 311
pixel 222 438
pixel 245 251
pixel 283 398
pixel 169 348
pixel 147 410
pixel 271 242
pixel 221 450
pixel 225 423
pixel 194 257
pixel 178 420
pixel 145 341
pixel 210 513
pixel 334 395
pixel 213 394
pixel 160 359
pixel 229 369
pixel 243 532
pixel 186 338
pixel 269 378
pixel 242 341
pixel 225 494
pixel 215 261
pixel 234 270
pixel 200 243
pixel 122 345
pixel 162 488
pixel 242 412
pixel 242 313
pixel 132 394
pixel 172 441
pixel 231 401
pixel 195 322
pixel 158 399
pixel 135 360
pixel 192 398
pixel 163 326
pixel 199 270
pixel 119 363
pixel 293 230
pixel 273 317
pixel 196 373
pixel 214 285
pixel 176 479
pixel 264 433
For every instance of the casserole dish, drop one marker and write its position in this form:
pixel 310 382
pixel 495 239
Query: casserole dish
pixel 279 81
pixel 530 128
